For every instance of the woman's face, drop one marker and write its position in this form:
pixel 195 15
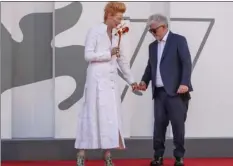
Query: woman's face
pixel 116 19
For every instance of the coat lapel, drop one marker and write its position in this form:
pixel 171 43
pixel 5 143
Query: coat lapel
pixel 167 45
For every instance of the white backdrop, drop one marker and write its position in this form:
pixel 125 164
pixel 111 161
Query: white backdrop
pixel 26 111
pixel 211 109
pixel 32 110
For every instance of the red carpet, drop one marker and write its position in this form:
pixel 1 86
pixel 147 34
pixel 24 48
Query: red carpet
pixel 136 162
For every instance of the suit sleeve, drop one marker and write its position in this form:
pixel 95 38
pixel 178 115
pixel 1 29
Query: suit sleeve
pixel 147 73
pixel 90 48
pixel 186 62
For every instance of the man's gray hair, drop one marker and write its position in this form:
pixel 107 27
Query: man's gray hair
pixel 157 18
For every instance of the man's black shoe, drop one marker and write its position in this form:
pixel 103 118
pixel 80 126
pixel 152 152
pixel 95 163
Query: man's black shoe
pixel 179 161
pixel 157 162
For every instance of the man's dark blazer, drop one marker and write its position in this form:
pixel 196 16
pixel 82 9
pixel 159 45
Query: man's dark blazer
pixel 175 65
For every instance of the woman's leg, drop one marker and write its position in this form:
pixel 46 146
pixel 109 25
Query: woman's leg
pixel 81 153
pixel 107 153
pixel 81 158
pixel 121 145
pixel 108 158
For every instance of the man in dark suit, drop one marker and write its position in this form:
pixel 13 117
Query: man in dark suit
pixel 169 69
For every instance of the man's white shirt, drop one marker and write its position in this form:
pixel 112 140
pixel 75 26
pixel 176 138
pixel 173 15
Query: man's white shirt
pixel 161 45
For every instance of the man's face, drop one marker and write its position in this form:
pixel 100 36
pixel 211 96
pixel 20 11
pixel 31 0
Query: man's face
pixel 158 30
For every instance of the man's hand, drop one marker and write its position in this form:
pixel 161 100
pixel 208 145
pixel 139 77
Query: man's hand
pixel 182 89
pixel 142 86
pixel 134 86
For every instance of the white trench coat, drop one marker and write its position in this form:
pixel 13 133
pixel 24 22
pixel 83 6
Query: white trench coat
pixel 99 122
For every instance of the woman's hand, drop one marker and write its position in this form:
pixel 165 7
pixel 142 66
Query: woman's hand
pixel 134 86
pixel 116 51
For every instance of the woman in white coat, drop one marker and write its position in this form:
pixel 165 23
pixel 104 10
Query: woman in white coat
pixel 99 123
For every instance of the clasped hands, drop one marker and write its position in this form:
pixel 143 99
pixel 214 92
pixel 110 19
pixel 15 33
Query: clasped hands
pixel 142 86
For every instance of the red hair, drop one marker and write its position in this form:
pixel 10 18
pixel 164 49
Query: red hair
pixel 113 8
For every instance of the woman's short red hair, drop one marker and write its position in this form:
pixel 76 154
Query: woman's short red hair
pixel 113 8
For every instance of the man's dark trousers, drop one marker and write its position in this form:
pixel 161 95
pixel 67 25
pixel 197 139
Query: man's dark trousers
pixel 174 109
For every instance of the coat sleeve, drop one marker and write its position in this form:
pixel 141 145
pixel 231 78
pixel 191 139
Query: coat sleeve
pixel 90 48
pixel 147 72
pixel 186 61
pixel 124 63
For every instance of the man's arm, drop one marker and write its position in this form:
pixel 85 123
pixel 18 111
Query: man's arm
pixel 146 78
pixel 147 74
pixel 186 61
